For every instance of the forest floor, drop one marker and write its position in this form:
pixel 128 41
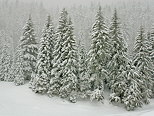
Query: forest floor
pixel 21 101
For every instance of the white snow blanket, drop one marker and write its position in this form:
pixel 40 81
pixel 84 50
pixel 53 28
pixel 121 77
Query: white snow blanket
pixel 21 101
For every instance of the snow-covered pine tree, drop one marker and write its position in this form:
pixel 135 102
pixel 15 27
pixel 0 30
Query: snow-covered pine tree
pixel 28 45
pixel 118 61
pixel 132 96
pixel 98 57
pixel 40 81
pixel 151 41
pixel 6 63
pixel 152 38
pixel 69 63
pixel 142 63
pixel 55 82
pixel 151 50
pixel 18 69
pixel 83 74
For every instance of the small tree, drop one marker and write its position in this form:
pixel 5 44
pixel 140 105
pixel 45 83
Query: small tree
pixel 19 68
pixel 98 57
pixel 28 45
pixel 5 64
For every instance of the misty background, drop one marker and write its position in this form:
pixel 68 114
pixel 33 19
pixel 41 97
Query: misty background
pixel 132 14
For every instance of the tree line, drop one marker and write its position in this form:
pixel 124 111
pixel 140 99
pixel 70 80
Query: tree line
pixel 60 66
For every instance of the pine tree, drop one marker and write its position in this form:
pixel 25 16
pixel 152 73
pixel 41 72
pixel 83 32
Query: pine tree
pixel 152 38
pixel 118 61
pixel 142 63
pixel 98 57
pixel 29 48
pixel 69 83
pixel 151 50
pixel 83 72
pixel 151 41
pixel 55 82
pixel 45 56
pixel 5 64
pixel 19 77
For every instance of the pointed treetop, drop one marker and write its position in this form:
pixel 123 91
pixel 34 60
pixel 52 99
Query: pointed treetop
pixel 49 18
pixel 30 17
pixel 29 22
pixel 141 30
pixel 63 18
pixel 100 8
pixel 48 21
pixel 115 11
pixel 115 14
pixel 64 11
pixel 115 17
pixel 99 11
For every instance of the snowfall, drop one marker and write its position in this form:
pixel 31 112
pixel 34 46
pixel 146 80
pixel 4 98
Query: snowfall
pixel 21 101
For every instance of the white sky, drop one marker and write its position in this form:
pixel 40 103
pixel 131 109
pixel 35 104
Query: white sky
pixel 54 3
pixel 69 2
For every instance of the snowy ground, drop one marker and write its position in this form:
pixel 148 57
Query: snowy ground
pixel 21 101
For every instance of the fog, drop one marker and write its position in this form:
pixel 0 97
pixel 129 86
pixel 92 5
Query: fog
pixel 66 3
pixel 132 14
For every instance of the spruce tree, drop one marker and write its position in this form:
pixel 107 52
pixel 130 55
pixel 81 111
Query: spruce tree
pixel 56 72
pixel 151 50
pixel 69 83
pixel 41 79
pixel 151 41
pixel 28 45
pixel 152 38
pixel 143 64
pixel 118 61
pixel 19 67
pixel 83 72
pixel 5 64
pixel 98 57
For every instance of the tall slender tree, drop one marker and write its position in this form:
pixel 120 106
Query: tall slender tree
pixel 118 61
pixel 57 71
pixel 5 67
pixel 19 66
pixel 98 57
pixel 40 81
pixel 151 41
pixel 69 63
pixel 142 63
pixel 151 50
pixel 83 72
pixel 28 45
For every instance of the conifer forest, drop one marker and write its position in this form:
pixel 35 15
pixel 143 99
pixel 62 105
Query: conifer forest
pixel 76 56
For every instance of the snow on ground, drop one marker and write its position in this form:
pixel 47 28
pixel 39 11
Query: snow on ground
pixel 21 101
